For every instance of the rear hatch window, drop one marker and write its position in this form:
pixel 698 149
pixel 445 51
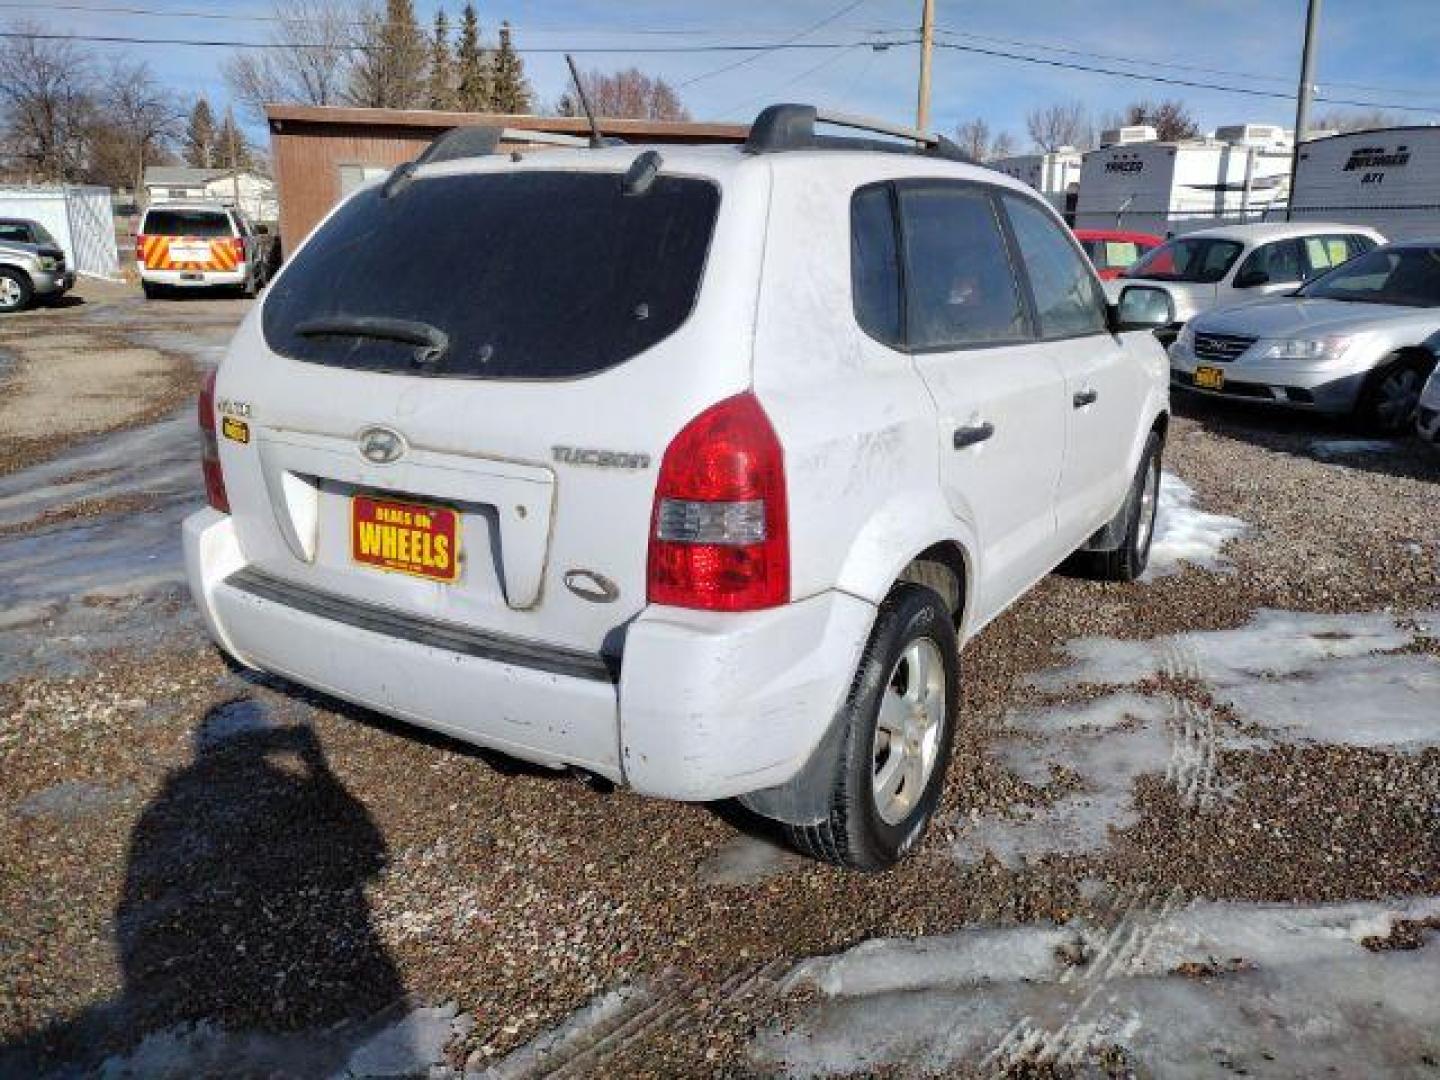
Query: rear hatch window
pixel 202 223
pixel 524 275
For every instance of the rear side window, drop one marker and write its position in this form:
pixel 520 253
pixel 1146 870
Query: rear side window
pixel 1067 300
pixel 1278 262
pixel 203 223
pixel 526 275
pixel 961 290
pixel 875 264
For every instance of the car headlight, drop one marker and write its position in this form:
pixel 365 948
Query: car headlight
pixel 1305 350
pixel 1185 340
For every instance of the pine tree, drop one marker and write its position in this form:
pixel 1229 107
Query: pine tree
pixel 391 71
pixel 441 94
pixel 473 86
pixel 509 90
pixel 198 146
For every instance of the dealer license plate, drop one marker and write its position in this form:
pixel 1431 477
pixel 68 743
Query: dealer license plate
pixel 405 537
pixel 1209 378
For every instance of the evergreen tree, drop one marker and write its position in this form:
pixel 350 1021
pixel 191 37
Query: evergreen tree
pixel 198 145
pixel 394 56
pixel 441 94
pixel 509 89
pixel 473 76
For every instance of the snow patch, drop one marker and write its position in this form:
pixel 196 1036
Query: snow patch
pixel 1272 990
pixel 1186 534
pixel 1331 449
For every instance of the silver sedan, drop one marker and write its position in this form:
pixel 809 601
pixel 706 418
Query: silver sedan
pixel 1350 342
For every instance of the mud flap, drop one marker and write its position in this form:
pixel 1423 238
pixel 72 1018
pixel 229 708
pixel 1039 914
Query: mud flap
pixel 805 798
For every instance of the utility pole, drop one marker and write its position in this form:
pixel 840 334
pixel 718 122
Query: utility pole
pixel 1302 103
pixel 927 46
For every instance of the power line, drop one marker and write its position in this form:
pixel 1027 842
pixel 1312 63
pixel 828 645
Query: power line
pixel 121 39
pixel 1143 62
pixel 789 42
pixel 1168 81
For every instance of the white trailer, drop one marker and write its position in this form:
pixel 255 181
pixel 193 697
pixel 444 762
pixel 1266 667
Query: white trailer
pixel 1176 187
pixel 1056 175
pixel 81 219
pixel 1388 179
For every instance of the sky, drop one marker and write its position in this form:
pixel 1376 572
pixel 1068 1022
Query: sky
pixel 1374 51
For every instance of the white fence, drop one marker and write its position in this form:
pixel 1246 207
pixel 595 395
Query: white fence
pixel 80 219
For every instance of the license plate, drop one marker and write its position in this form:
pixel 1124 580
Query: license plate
pixel 190 253
pixel 1209 378
pixel 404 537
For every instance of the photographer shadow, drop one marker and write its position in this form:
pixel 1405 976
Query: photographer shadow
pixel 243 929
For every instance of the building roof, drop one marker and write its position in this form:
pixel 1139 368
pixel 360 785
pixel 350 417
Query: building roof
pixel 185 176
pixel 291 118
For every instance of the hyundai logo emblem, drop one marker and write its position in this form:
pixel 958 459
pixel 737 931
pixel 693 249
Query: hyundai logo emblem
pixel 381 445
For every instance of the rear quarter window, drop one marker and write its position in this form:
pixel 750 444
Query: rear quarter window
pixel 528 275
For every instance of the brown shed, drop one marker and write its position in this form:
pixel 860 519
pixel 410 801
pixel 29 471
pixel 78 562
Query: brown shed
pixel 321 153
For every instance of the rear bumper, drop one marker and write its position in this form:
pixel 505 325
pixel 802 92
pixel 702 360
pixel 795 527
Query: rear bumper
pixel 701 706
pixel 193 278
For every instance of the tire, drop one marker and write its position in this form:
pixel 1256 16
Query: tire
pixel 912 658
pixel 1392 393
pixel 1128 561
pixel 16 292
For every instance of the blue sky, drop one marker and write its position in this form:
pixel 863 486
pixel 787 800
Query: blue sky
pixel 1381 51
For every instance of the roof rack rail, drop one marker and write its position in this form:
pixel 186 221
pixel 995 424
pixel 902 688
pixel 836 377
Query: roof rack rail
pixel 792 127
pixel 481 140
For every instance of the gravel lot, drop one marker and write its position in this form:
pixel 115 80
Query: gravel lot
pixel 257 880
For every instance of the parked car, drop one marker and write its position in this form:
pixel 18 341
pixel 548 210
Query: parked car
pixel 686 467
pixel 32 265
pixel 1427 413
pixel 1115 250
pixel 1236 264
pixel 1350 342
pixel 199 245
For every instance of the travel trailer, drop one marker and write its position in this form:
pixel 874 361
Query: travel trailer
pixel 1055 175
pixel 1141 184
pixel 1387 178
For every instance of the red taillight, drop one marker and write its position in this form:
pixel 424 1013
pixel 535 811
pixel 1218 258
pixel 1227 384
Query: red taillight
pixel 237 245
pixel 719 531
pixel 210 448
pixel 140 239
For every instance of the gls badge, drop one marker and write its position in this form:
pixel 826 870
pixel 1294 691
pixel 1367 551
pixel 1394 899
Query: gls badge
pixel 381 445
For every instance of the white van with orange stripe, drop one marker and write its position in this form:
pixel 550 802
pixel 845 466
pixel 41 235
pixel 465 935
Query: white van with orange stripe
pixel 197 245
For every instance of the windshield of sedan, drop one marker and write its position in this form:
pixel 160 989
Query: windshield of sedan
pixel 1199 260
pixel 1406 276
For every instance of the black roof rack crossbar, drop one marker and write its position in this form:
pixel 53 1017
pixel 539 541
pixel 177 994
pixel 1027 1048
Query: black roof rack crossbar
pixel 792 127
pixel 481 140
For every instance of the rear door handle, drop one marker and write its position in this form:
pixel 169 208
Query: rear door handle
pixel 970 436
pixel 1085 397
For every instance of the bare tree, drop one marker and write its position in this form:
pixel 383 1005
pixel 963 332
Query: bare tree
pixel 138 119
pixel 1061 124
pixel 390 70
pixel 48 102
pixel 313 47
pixel 1170 119
pixel 1349 120
pixel 976 139
pixel 629 94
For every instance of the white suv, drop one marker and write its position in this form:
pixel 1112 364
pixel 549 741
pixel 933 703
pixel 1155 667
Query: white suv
pixel 686 467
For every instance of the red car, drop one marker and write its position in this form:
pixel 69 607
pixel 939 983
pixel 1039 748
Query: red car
pixel 1113 250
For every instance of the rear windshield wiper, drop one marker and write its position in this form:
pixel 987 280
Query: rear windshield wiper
pixel 430 340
